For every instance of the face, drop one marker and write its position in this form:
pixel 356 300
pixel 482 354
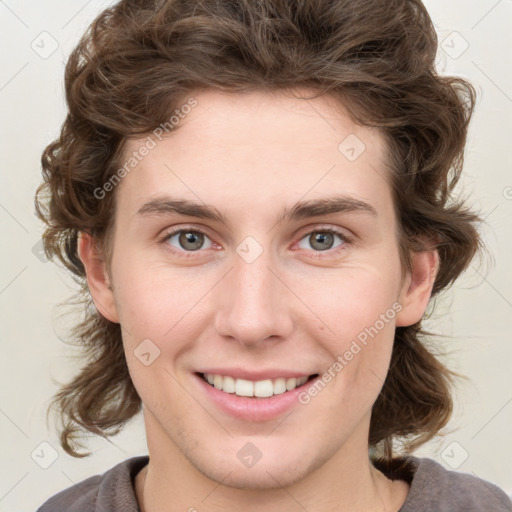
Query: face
pixel 288 266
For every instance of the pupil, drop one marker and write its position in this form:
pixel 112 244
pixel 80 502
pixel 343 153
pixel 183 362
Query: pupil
pixel 321 237
pixel 191 238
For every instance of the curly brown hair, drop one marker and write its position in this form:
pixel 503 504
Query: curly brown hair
pixel 131 70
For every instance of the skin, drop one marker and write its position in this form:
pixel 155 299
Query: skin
pixel 294 307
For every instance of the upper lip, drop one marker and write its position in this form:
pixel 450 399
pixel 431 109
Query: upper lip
pixel 239 373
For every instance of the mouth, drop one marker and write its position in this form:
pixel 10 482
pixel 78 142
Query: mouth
pixel 256 389
pixel 255 401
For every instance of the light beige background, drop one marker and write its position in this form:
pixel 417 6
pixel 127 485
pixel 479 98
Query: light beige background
pixel 476 39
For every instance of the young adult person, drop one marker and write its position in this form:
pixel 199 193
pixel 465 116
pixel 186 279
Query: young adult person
pixel 256 197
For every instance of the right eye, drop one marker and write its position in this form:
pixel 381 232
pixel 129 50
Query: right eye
pixel 186 240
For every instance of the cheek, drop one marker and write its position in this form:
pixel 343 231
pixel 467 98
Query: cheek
pixel 359 309
pixel 154 308
pixel 355 298
pixel 152 300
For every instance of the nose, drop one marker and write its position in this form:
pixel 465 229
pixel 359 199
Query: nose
pixel 254 302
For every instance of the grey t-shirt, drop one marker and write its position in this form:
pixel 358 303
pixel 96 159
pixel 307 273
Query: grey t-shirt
pixel 433 489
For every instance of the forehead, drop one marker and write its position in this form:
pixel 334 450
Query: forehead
pixel 264 146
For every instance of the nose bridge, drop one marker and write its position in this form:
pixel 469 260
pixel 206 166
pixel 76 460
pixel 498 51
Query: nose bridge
pixel 254 303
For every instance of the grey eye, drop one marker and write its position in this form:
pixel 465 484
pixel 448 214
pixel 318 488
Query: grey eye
pixel 188 240
pixel 321 240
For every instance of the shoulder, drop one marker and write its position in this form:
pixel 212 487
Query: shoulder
pixel 112 491
pixel 434 488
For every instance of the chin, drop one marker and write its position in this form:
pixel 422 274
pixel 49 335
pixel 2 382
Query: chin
pixel 265 478
pixel 267 473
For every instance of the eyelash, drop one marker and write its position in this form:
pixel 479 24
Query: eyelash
pixel 317 254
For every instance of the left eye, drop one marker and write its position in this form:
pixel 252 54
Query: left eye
pixel 323 240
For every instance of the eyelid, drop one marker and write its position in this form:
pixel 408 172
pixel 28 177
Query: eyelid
pixel 326 228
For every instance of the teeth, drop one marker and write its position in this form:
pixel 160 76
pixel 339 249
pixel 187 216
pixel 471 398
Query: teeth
pixel 280 386
pixel 261 388
pixel 291 384
pixel 243 387
pixel 228 385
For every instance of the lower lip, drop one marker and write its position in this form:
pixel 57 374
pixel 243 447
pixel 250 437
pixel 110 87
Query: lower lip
pixel 254 409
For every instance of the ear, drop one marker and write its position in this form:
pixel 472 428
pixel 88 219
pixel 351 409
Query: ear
pixel 97 276
pixel 417 287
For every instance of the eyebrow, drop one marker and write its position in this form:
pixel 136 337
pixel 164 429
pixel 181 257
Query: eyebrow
pixel 301 210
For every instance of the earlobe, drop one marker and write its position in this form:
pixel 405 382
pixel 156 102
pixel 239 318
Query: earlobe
pixel 417 288
pixel 97 277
